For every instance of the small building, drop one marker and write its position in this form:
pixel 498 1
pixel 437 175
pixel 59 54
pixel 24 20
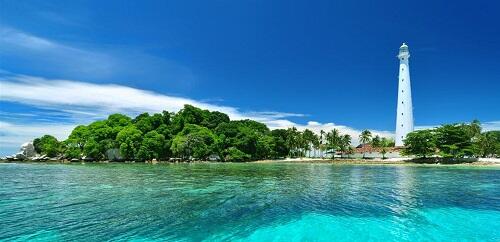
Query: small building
pixel 370 152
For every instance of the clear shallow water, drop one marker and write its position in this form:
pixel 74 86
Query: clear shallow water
pixel 248 202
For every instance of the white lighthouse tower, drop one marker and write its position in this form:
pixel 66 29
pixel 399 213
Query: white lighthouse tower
pixel 404 116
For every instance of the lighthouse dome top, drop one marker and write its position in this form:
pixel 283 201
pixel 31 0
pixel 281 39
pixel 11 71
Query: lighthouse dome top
pixel 403 48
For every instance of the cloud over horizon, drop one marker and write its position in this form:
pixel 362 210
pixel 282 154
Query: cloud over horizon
pixel 82 103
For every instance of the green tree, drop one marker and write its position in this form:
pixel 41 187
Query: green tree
pixel 213 119
pixel 387 142
pixel 37 145
pixel 350 151
pixel 333 141
pixel 308 139
pixel 47 145
pixel 365 137
pixel 322 146
pixel 79 136
pixel 188 115
pixel 474 128
pixel 235 155
pixel 241 134
pixel 279 139
pixel 100 131
pixel 181 147
pixel 118 120
pixel 76 141
pixel 454 140
pixel 316 144
pixel 227 133
pixel 101 139
pixel 421 143
pixel 293 141
pixel 376 142
pixel 71 151
pixel 265 147
pixel 383 151
pixel 195 141
pixel 92 150
pixel 129 140
pixel 487 144
pixel 145 122
pixel 152 146
pixel 345 143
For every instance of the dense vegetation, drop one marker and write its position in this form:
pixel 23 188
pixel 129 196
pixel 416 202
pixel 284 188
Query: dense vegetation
pixel 453 141
pixel 196 134
pixel 190 134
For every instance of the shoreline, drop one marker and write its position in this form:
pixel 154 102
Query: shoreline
pixel 398 161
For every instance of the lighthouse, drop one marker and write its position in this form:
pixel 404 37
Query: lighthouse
pixel 404 115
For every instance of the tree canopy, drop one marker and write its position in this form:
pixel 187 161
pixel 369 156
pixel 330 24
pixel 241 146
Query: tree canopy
pixel 453 141
pixel 190 134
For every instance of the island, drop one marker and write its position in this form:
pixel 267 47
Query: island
pixel 193 135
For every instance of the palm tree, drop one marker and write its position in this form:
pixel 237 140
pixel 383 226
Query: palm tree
pixel 365 138
pixel 333 140
pixel 292 140
pixel 350 150
pixel 315 144
pixel 376 142
pixel 384 144
pixel 474 128
pixel 345 143
pixel 300 144
pixel 308 138
pixel 321 145
pixel 383 151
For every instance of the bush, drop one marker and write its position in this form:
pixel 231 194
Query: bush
pixel 233 154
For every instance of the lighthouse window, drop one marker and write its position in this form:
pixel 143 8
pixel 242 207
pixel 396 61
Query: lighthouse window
pixel 402 90
pixel 402 102
pixel 402 69
pixel 402 137
pixel 403 80
pixel 401 113
pixel 401 125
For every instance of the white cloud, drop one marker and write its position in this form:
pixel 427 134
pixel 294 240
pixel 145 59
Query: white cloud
pixel 489 126
pixel 317 127
pixel 82 98
pixel 72 60
pixel 13 135
pixel 52 55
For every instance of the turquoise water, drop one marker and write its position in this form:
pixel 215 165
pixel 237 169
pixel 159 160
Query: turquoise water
pixel 248 202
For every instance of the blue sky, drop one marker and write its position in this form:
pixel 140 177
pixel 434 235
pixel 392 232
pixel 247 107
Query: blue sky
pixel 318 65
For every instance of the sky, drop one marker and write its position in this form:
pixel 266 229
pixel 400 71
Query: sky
pixel 309 64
